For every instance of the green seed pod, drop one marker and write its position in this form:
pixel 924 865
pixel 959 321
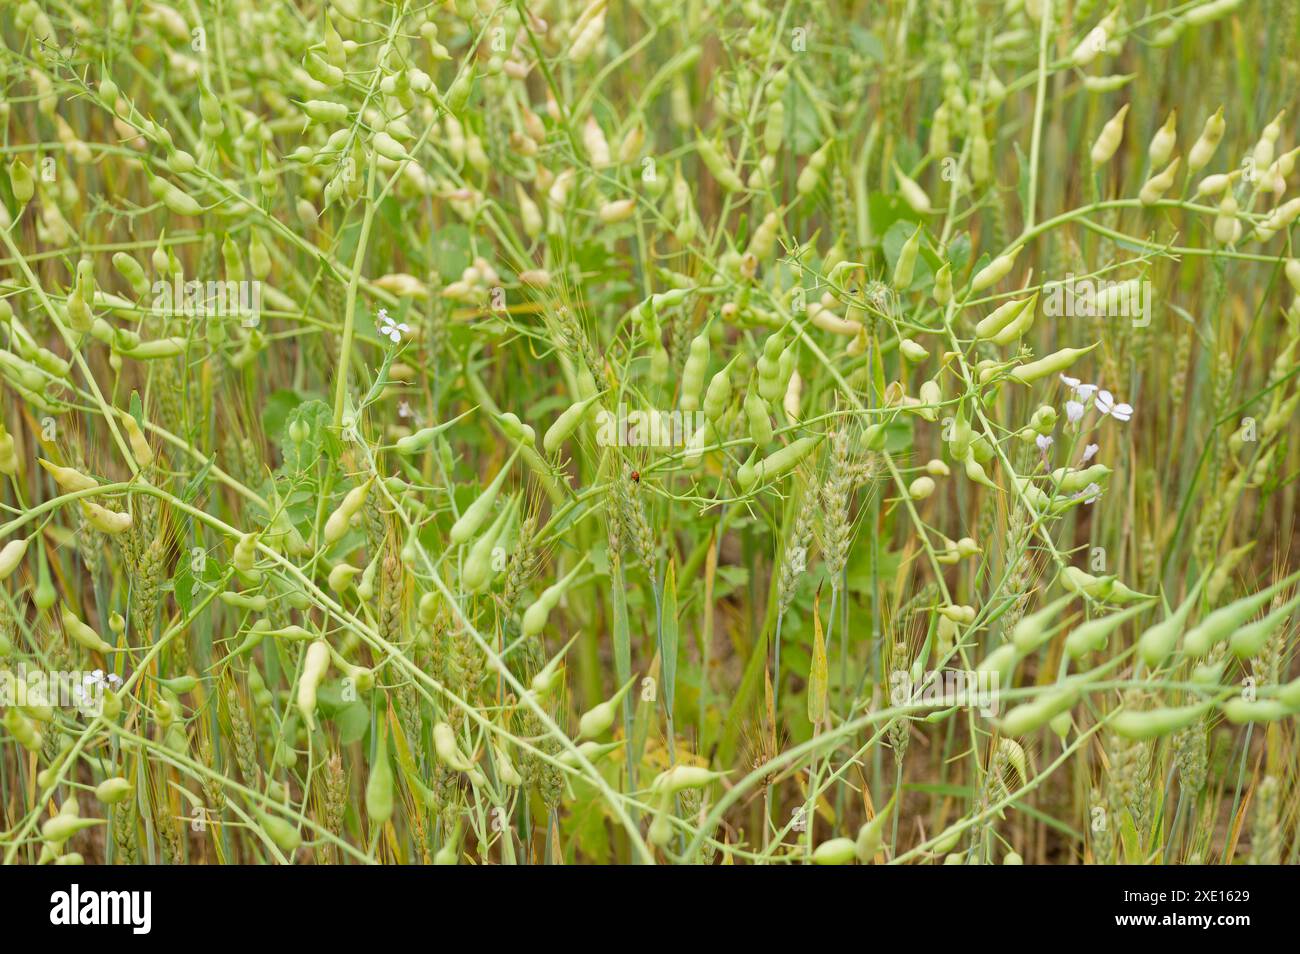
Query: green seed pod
pixel 1070 481
pixel 564 425
pixel 871 835
pixel 336 526
pixel 1220 624
pixel 1155 645
pixel 113 790
pixel 1052 364
pixel 82 634
pixel 314 667
pixel 1000 317
pixel 281 832
pixel 1093 635
pixel 535 615
pixel 906 263
pixel 477 571
pixel 780 462
pixel 836 851
pixel 717 396
pixel 20 179
pixel 943 285
pixel 1029 716
pixel 1240 711
pixel 379 787
pixel 132 271
pixel 1157 722
pixel 995 271
pixel 596 721
pixel 325 111
pixel 697 362
pixel 447 749
pixel 1035 629
pixel 1249 641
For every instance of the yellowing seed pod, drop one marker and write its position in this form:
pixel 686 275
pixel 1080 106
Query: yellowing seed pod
pixel 1154 189
pixel 447 749
pixel 103 520
pixel 11 556
pixel 1207 143
pixel 1163 142
pixel 22 182
pixel 315 665
pixel 912 193
pixel 1109 139
pixel 140 448
pixel 336 526
pixel 619 210
pixel 82 634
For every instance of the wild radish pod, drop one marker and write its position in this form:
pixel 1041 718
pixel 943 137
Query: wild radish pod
pixel 1152 723
pixel 315 665
pixel 477 512
pixel 778 463
pixel 535 616
pixel 336 525
pixel 596 721
pixel 1220 624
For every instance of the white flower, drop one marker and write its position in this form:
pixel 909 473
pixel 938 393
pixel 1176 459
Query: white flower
pixel 404 410
pixel 1089 453
pixel 1073 411
pixel 1081 391
pixel 1091 493
pixel 393 330
pixel 1043 442
pixel 1106 405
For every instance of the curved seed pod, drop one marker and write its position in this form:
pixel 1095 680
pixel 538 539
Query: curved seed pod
pixel 1240 711
pixel 314 667
pixel 336 526
pixel 477 571
pixel 447 749
pixel 82 634
pixel 1028 716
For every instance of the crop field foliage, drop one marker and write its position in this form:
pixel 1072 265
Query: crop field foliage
pixel 649 432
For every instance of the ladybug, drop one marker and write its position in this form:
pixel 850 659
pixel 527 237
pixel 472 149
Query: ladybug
pixel 636 476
